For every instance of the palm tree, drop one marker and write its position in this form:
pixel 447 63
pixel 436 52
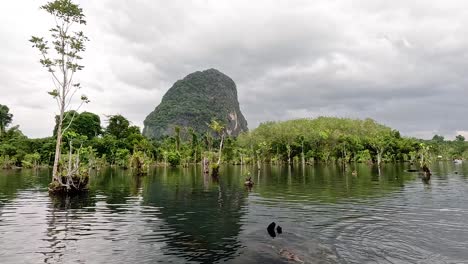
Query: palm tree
pixel 219 129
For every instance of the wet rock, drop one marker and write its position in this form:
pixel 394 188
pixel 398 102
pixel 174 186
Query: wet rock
pixel 279 230
pixel 271 229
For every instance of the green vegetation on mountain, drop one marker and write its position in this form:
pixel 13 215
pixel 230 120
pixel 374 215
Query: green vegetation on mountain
pixel 193 102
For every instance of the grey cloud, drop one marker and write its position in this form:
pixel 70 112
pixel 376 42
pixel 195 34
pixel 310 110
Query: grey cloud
pixel 400 62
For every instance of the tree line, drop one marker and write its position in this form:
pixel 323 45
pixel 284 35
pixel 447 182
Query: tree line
pixel 300 141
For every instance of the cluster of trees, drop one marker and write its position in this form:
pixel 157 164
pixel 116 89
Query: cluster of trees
pixel 305 141
pixel 449 149
pixel 115 144
pixel 329 139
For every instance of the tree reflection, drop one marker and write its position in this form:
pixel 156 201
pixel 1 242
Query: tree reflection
pixel 328 183
pixel 204 214
pixel 64 224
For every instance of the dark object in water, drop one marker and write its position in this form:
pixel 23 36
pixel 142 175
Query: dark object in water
pixel 271 229
pixel 426 169
pixel 279 230
pixel 426 180
pixel 248 182
pixel 412 170
pixel 426 175
pixel 456 172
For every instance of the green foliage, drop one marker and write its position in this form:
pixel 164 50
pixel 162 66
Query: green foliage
pixel 323 139
pixel 86 123
pixel 6 162
pixel 118 126
pixel 140 162
pixel 13 146
pixel 214 166
pixel 363 156
pixel 64 43
pixel 173 158
pixel 216 126
pixel 5 118
pixel 425 157
pixel 65 10
pixel 61 55
pixel 193 102
pixel 31 160
pixel 122 158
pixel 438 138
pixel 464 155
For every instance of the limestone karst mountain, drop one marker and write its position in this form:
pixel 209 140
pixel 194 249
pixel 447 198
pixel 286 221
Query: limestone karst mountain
pixel 193 102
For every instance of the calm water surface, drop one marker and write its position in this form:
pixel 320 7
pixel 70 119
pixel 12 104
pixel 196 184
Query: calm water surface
pixel 176 215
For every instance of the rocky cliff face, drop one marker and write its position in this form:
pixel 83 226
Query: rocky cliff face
pixel 193 102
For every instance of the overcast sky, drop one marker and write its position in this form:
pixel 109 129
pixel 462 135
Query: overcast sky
pixel 402 63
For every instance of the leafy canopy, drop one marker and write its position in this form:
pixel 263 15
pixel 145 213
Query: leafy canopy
pixel 5 117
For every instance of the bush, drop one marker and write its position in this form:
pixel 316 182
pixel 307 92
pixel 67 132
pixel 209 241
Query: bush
pixel 31 160
pixel 173 158
pixel 6 162
pixel 363 156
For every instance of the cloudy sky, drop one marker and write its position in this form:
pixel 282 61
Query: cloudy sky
pixel 403 63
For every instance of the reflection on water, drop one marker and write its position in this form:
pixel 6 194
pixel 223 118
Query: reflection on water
pixel 179 215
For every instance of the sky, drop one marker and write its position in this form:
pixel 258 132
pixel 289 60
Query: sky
pixel 402 63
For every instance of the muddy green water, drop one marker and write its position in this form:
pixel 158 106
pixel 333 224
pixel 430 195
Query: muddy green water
pixel 176 215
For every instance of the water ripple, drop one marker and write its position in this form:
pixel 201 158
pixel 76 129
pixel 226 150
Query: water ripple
pixel 185 218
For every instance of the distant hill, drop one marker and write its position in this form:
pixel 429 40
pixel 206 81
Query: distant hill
pixel 193 102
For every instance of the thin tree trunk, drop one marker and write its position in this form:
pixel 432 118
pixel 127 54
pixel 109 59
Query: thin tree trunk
pixel 206 165
pixel 62 111
pixel 57 147
pixel 277 156
pixel 70 157
pixel 379 158
pixel 220 149
pixel 302 154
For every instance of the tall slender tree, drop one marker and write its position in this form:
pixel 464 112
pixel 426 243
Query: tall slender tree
pixel 60 55
pixel 218 128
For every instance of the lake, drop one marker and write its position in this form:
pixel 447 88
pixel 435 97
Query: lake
pixel 176 215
